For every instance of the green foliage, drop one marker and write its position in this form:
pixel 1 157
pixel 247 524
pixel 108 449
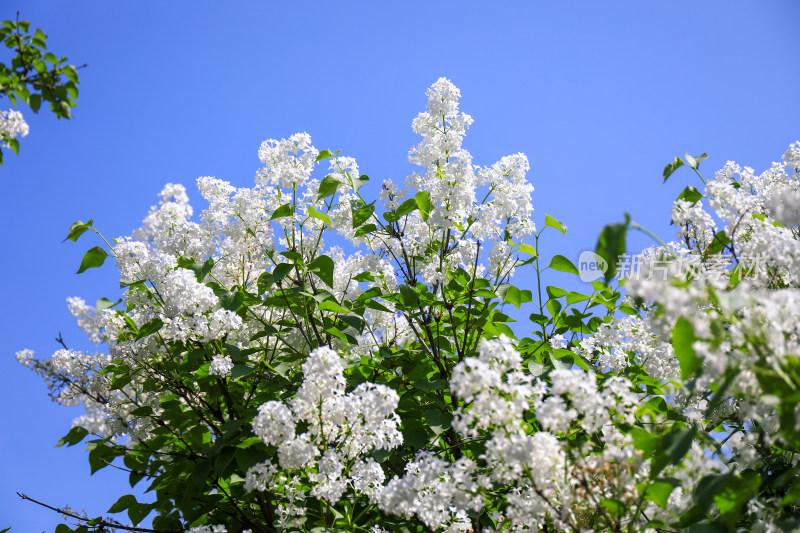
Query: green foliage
pixel 611 245
pixel 35 75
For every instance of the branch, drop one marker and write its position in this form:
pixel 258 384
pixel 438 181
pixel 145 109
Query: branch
pixel 60 340
pixel 100 525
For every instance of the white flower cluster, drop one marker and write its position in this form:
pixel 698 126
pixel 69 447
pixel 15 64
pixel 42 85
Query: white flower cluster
pixel 622 342
pixel 342 430
pixel 454 185
pixel 208 529
pixel 743 324
pixel 241 232
pixel 12 125
pixel 221 365
pixel 544 480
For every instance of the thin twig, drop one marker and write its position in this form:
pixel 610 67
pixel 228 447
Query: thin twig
pixel 100 525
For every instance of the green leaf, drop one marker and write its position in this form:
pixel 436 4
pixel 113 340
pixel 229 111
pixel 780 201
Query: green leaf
pixel 423 201
pixel 73 437
pixel 363 230
pixel 265 281
pixel 364 276
pixel 360 182
pixel 361 212
pixel 528 249
pixel 144 410
pixel 575 297
pixel 611 245
pixel 429 385
pixel 224 459
pixel 328 187
pixel 35 102
pixel 101 305
pixel 372 304
pixel 77 229
pixel 735 493
pixel 536 369
pixel 13 144
pixel 410 296
pixel 336 332
pixel 438 421
pixel 120 380
pixel 402 210
pixel 708 527
pixel 682 340
pixel 694 162
pixel 294 257
pixel 614 506
pixel 149 328
pixel 644 441
pixel 553 223
pixel 323 154
pixel 241 370
pixel 331 305
pixel 322 216
pixel 123 503
pixel 513 296
pixel 355 322
pixel 555 292
pixel 690 194
pixel 674 446
pixel 658 492
pixel 562 264
pixel 672 167
pixel 323 267
pixel 201 270
pixel 138 512
pixel 281 270
pixel 720 241
pixel 286 210
pixel 93 258
pixel 99 456
pixel 562 359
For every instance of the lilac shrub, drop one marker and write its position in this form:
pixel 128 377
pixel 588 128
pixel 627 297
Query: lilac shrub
pixel 301 357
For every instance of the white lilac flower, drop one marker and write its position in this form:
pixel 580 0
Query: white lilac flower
pixel 208 529
pixel 221 365
pixel 12 125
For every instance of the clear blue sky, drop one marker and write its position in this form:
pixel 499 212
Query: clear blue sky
pixel 599 95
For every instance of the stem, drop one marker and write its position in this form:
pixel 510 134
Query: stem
pixel 100 526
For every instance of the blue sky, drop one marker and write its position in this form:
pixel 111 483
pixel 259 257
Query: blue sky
pixel 599 95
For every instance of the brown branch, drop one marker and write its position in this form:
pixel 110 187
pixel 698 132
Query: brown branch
pixel 60 340
pixel 98 526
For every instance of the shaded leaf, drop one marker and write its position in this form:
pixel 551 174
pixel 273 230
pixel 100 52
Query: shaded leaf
pixel 611 245
pixel 328 187
pixel 323 267
pixel 672 167
pixel 438 421
pixel 281 270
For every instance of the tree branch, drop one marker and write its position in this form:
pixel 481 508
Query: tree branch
pixel 99 525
